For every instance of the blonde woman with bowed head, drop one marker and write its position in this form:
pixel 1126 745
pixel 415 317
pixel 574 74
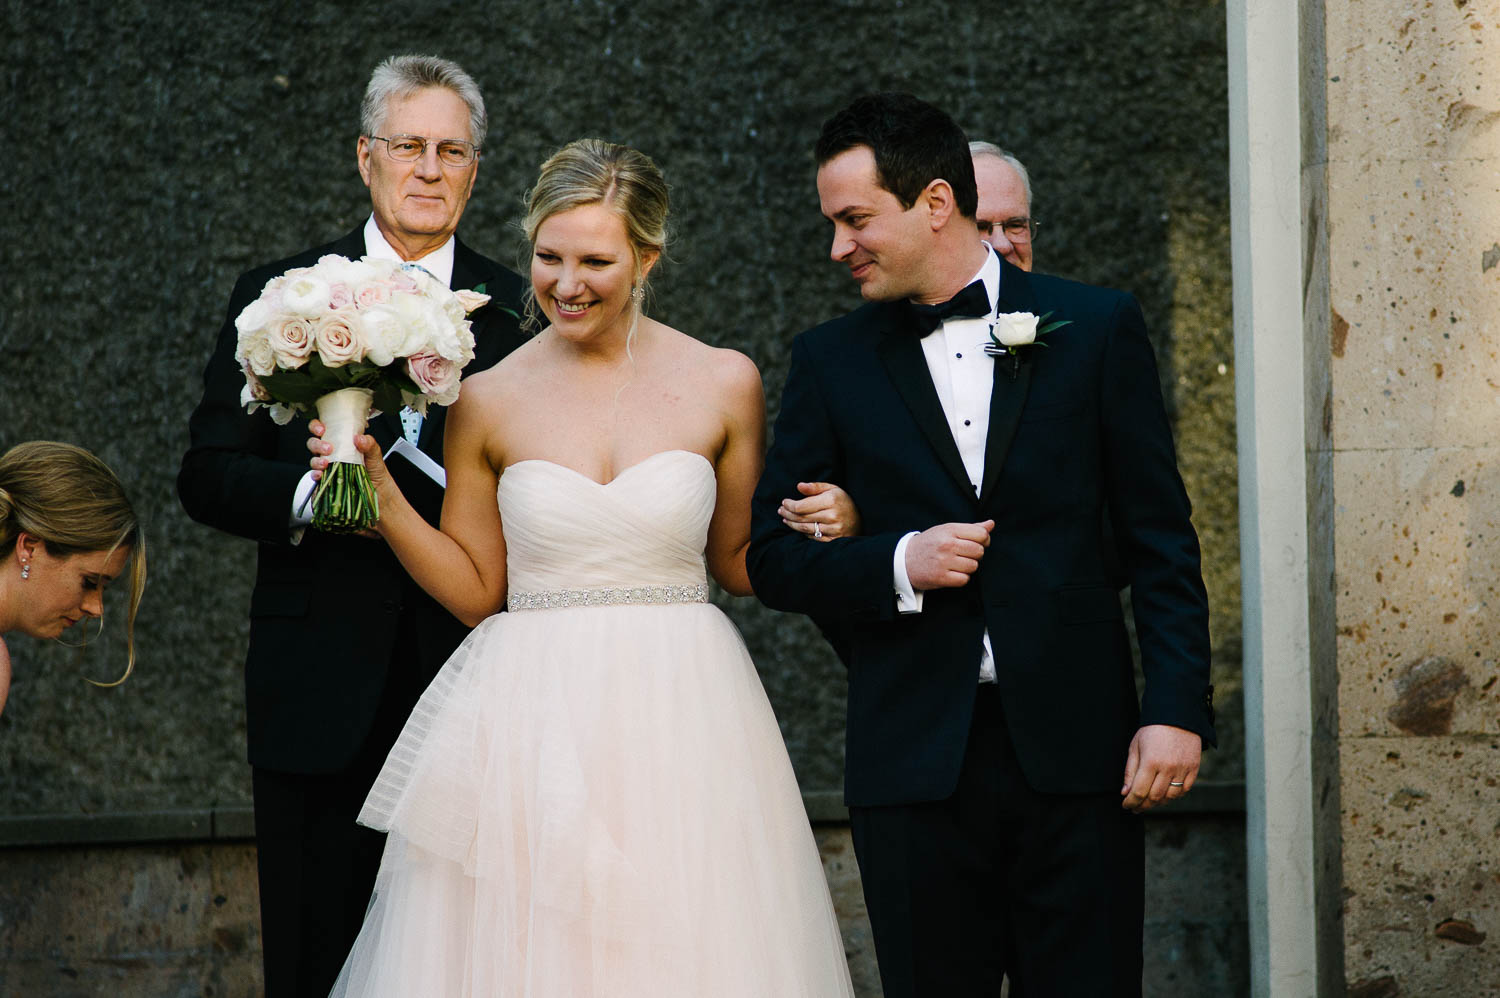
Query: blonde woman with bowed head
pixel 593 798
pixel 66 532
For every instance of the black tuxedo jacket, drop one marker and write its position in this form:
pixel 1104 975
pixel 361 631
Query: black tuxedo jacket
pixel 1077 427
pixel 324 613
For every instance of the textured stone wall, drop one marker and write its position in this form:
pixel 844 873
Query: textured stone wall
pixel 170 146
pixel 1414 201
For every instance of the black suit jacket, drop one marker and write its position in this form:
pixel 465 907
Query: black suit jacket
pixel 324 613
pixel 1078 428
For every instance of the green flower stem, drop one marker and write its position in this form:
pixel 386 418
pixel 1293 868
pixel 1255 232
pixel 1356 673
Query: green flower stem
pixel 345 501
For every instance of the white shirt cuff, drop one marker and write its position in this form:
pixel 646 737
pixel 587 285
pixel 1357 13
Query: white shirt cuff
pixel 301 508
pixel 908 600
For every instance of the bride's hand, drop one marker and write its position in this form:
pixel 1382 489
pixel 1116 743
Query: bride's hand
pixel 380 476
pixel 826 512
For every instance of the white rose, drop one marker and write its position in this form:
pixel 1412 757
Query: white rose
pixel 255 355
pixel 291 341
pixel 453 307
pixel 306 294
pixel 383 335
pixel 426 327
pixel 342 270
pixel 337 339
pixel 1015 329
pixel 255 317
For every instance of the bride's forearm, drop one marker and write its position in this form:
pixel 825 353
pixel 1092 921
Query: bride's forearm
pixel 438 563
pixel 728 570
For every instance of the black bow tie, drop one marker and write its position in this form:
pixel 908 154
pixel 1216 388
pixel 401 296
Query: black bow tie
pixel 971 302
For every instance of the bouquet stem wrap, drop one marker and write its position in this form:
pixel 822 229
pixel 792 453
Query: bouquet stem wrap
pixel 345 500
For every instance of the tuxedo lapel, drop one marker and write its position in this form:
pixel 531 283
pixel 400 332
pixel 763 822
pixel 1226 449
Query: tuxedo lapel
pixel 901 352
pixel 1012 381
pixel 466 272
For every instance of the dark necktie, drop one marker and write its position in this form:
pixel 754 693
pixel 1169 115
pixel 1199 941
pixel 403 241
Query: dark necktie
pixel 971 302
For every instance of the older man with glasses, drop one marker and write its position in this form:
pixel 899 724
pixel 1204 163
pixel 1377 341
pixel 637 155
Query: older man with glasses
pixel 1004 213
pixel 342 641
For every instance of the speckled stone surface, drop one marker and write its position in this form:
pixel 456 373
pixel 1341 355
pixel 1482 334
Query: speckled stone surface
pixel 1414 336
pixel 144 922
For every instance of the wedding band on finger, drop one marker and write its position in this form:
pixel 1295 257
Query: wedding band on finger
pixel 1171 783
pixel 818 531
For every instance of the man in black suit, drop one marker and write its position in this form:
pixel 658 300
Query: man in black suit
pixel 992 709
pixel 342 641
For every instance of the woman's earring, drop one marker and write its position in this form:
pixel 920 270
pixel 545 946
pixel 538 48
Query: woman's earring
pixel 638 294
pixel 25 570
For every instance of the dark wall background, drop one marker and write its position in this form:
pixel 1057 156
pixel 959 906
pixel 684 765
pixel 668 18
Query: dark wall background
pixel 157 150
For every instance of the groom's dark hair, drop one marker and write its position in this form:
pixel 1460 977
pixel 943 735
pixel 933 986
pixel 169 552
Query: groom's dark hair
pixel 914 143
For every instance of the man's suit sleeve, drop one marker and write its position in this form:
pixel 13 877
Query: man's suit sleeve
pixel 231 477
pixel 847 578
pixel 1151 515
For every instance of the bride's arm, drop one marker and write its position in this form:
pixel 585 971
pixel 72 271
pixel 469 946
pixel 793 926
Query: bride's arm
pixel 737 470
pixel 462 566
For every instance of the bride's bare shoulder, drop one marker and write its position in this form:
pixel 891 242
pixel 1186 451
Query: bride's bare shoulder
pixel 506 377
pixel 721 368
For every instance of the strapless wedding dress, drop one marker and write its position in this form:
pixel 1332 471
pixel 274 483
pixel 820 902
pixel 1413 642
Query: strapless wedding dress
pixel 592 799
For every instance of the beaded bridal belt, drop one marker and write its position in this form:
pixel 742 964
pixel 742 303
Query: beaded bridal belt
pixel 607 597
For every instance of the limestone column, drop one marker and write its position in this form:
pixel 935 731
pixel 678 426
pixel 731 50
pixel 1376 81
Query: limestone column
pixel 1413 137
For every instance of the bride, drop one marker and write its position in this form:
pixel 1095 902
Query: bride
pixel 593 797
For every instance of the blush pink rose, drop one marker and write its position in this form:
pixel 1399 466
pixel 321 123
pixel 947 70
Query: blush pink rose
pixel 436 376
pixel 291 341
pixel 376 292
pixel 337 342
pixel 339 295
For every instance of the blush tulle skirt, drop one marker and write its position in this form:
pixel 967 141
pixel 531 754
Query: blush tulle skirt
pixel 593 802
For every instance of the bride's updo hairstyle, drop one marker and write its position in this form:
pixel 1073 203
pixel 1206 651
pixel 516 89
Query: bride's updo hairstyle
pixel 73 503
pixel 624 180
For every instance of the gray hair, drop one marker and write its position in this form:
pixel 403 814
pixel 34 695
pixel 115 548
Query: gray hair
pixel 977 149
pixel 403 76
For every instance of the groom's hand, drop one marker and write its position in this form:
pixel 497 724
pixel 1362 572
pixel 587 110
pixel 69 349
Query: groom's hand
pixel 1161 766
pixel 943 557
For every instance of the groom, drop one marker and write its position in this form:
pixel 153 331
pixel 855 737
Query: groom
pixel 342 641
pixel 992 710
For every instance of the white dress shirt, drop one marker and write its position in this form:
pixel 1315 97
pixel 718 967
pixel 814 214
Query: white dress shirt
pixel 438 263
pixel 963 375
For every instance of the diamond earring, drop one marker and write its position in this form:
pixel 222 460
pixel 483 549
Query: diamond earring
pixel 25 571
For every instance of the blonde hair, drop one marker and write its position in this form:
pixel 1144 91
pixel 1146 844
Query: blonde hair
pixel 71 501
pixel 593 171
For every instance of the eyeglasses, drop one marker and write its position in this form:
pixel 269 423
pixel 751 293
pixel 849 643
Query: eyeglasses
pixel 1020 229
pixel 410 148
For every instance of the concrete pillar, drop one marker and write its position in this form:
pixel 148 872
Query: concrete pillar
pixel 1279 237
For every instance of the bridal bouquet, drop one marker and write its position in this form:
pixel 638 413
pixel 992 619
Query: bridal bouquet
pixel 347 339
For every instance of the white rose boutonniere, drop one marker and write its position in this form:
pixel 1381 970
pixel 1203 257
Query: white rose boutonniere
pixel 1012 332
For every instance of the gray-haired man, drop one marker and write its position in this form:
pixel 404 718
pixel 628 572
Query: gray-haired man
pixel 342 641
pixel 1004 213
